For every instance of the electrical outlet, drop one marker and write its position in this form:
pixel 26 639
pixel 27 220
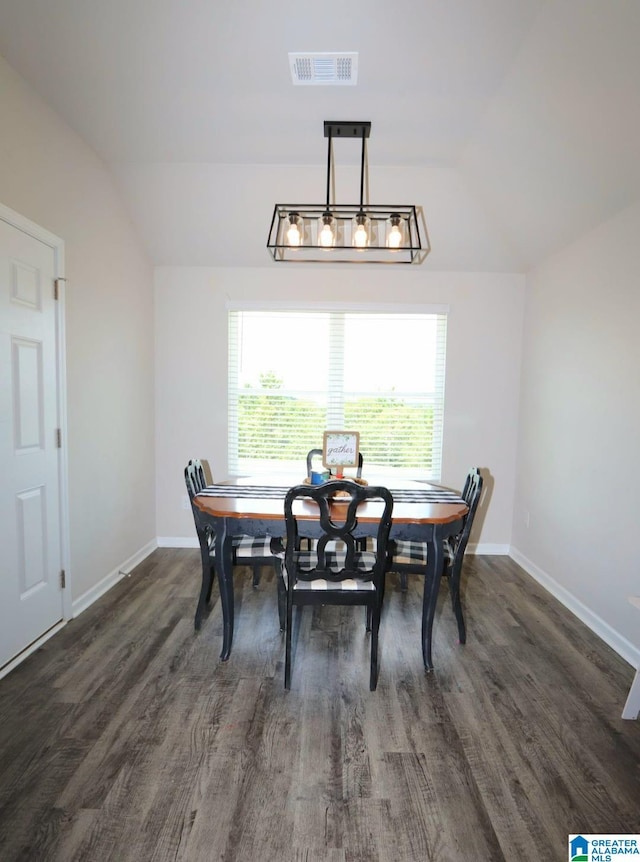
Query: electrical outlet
pixel 185 503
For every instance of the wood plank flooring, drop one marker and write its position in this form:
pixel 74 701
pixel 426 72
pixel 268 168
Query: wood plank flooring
pixel 125 738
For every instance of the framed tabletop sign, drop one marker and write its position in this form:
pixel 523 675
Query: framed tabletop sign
pixel 340 449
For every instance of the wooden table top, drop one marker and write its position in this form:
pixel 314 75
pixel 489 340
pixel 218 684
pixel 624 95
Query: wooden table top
pixel 260 508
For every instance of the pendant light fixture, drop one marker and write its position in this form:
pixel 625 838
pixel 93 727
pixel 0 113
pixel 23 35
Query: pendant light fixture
pixel 353 233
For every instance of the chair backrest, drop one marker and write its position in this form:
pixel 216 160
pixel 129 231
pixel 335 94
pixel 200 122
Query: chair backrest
pixel 206 469
pixel 194 477
pixel 195 481
pixel 339 528
pixel 471 495
pixel 317 453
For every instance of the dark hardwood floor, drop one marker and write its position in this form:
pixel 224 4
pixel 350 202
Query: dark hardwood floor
pixel 125 738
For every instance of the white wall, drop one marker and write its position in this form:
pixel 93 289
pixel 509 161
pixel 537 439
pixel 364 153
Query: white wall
pixel 48 175
pixel 578 462
pixel 483 370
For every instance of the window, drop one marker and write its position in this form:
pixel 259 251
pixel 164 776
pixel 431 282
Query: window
pixel 295 373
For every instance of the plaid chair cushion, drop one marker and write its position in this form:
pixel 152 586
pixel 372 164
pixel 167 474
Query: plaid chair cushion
pixel 322 584
pixel 407 553
pixel 251 548
pixel 334 559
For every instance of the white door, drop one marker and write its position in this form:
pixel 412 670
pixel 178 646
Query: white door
pixel 30 541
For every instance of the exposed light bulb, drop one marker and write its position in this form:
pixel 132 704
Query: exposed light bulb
pixel 360 231
pixel 293 235
pixel 395 237
pixel 327 237
pixel 293 232
pixel 395 232
pixel 360 236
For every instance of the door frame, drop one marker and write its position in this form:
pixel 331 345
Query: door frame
pixel 57 245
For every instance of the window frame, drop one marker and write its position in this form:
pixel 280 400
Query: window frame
pixel 234 464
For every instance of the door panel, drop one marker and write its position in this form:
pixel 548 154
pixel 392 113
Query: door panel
pixel 31 540
pixel 30 563
pixel 28 401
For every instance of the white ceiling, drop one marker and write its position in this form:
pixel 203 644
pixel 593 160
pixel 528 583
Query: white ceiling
pixel 514 123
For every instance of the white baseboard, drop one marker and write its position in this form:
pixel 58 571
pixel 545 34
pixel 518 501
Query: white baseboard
pixel 598 626
pixel 488 549
pixel 86 599
pixel 177 542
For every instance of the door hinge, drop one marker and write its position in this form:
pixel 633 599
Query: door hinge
pixel 56 287
pixel 58 438
pixel 63 579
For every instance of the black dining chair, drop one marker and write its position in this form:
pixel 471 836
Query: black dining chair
pixel 410 557
pixel 318 453
pixel 252 551
pixel 336 571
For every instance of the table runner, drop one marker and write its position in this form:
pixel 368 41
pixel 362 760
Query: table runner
pixel 400 495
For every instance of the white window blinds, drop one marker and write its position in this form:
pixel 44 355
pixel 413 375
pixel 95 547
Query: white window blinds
pixel 295 373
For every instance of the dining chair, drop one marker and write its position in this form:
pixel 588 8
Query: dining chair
pixel 317 453
pixel 410 557
pixel 252 551
pixel 335 571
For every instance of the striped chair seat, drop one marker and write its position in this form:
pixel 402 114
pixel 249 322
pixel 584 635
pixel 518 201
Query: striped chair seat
pixel 411 553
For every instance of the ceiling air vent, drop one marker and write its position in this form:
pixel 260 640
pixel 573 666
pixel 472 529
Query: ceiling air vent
pixel 324 69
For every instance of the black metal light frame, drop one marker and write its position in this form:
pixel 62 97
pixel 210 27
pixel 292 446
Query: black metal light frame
pixel 377 220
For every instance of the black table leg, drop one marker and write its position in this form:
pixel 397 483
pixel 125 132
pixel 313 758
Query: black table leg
pixel 207 579
pixel 432 577
pixel 224 568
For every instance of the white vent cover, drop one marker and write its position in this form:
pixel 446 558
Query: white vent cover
pixel 324 69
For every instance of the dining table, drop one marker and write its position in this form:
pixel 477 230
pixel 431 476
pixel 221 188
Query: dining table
pixel 254 506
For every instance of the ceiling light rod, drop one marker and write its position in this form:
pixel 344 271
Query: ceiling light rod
pixel 328 164
pixel 347 130
pixel 312 233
